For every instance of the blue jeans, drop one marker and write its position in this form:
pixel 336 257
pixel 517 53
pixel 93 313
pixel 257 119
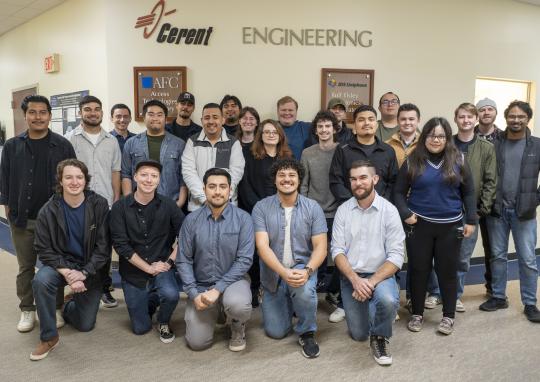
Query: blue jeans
pixel 278 308
pixel 524 234
pixel 375 316
pixel 161 290
pixel 80 312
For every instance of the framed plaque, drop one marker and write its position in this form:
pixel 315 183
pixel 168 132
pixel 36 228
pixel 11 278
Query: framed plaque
pixel 164 83
pixel 354 86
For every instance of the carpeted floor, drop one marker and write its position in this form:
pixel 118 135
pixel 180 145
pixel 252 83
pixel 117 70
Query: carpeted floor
pixel 499 346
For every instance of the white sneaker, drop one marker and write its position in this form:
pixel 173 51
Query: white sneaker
pixel 459 306
pixel 59 319
pixel 431 302
pixel 27 321
pixel 337 315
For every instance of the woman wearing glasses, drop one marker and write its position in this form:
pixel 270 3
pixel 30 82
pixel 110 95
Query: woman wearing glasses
pixel 434 194
pixel 270 144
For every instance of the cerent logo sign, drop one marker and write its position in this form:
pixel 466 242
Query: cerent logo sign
pixel 167 32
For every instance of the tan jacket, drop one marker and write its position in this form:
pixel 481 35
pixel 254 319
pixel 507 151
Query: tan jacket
pixel 401 152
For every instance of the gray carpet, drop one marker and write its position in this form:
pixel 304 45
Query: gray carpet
pixel 499 346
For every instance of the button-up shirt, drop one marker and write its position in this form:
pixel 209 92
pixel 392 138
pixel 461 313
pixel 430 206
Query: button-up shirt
pixel 214 253
pixel 368 237
pixel 121 139
pixel 148 231
pixel 102 159
pixel 307 221
pixel 170 157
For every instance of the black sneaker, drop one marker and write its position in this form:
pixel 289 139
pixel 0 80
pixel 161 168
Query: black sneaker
pixel 108 301
pixel 380 351
pixel 493 304
pixel 310 348
pixel 532 313
pixel 166 335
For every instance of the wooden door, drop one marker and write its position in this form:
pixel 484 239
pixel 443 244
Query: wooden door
pixel 17 97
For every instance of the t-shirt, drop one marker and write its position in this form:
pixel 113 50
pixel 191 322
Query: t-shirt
pixel 288 259
pixel 385 133
pixel 40 191
pixel 93 137
pixel 154 146
pixel 75 227
pixel 513 153
pixel 368 149
pixel 463 146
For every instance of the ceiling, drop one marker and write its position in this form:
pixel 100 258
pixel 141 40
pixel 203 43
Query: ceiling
pixel 16 12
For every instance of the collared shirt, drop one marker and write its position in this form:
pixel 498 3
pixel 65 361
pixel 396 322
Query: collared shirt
pixel 214 253
pixel 149 231
pixel 102 159
pixel 368 237
pixel 307 221
pixel 16 174
pixel 136 150
pixel 121 139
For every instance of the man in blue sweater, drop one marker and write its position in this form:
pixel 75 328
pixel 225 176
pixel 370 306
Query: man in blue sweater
pixel 297 132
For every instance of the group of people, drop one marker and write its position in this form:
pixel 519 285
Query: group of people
pixel 244 212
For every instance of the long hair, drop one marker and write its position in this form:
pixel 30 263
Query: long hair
pixel 452 165
pixel 243 112
pixel 282 149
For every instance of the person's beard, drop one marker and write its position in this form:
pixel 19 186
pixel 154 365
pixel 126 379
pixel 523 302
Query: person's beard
pixel 365 193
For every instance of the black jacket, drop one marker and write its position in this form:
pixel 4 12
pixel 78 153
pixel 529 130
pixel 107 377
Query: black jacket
pixel 16 173
pixel 383 157
pixel 51 236
pixel 528 193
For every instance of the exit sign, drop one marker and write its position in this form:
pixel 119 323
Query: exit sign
pixel 52 63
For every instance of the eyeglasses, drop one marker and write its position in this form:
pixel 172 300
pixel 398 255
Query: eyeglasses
pixel 438 137
pixel 270 132
pixel 388 102
pixel 516 117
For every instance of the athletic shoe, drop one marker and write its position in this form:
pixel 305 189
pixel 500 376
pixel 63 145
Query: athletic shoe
pixel 532 313
pixel 446 326
pixel 310 348
pixel 27 321
pixel 459 306
pixel 494 304
pixel 380 351
pixel 415 323
pixel 238 336
pixel 337 315
pixel 166 335
pixel 108 301
pixel 44 348
pixel 432 301
pixel 408 305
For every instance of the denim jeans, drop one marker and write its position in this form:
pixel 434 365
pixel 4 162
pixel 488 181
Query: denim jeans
pixel 524 234
pixel 375 316
pixel 161 290
pixel 278 308
pixel 464 263
pixel 80 312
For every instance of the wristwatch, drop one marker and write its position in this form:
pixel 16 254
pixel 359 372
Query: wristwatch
pixel 85 273
pixel 170 262
pixel 309 270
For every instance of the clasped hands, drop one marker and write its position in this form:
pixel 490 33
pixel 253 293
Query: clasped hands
pixel 206 299
pixel 362 288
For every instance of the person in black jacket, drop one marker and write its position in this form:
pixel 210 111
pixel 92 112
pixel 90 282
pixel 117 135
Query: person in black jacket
pixel 363 146
pixel 514 209
pixel 72 242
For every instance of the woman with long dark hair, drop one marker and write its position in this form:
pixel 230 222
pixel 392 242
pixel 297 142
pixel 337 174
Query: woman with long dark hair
pixel 434 194
pixel 270 144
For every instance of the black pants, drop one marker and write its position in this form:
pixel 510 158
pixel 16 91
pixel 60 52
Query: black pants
pixel 487 252
pixel 255 274
pixel 429 243
pixel 105 275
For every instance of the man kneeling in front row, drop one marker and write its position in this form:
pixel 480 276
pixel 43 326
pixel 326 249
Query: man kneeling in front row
pixel 214 255
pixel 72 242
pixel 367 247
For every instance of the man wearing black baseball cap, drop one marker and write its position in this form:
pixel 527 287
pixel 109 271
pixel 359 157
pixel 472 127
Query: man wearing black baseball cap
pixel 183 127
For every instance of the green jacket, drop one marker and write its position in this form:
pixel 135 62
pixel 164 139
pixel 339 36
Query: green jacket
pixel 482 160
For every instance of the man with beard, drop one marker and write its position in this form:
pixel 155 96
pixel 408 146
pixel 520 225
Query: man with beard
pixel 290 232
pixel 100 152
pixel 121 117
pixel 183 127
pixel 158 145
pixel 514 210
pixel 215 253
pixel 367 247
pixel 487 113
pixel 230 107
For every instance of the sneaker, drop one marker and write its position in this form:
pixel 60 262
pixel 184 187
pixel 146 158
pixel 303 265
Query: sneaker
pixel 59 319
pixel 397 317
pixel 108 301
pixel 238 336
pixel 432 302
pixel 27 321
pixel 408 305
pixel 380 351
pixel 337 315
pixel 446 326
pixel 310 348
pixel 532 313
pixel 166 335
pixel 459 306
pixel 44 348
pixel 415 323
pixel 332 299
pixel 493 304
